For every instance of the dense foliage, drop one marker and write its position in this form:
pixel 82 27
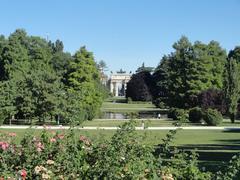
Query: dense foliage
pixel 38 80
pixel 139 87
pixel 232 87
pixel 63 156
pixel 66 155
pixel 83 79
pixel 200 75
pixel 195 115
pixel 190 69
pixel 212 98
pixel 177 114
pixel 212 117
pixel 193 75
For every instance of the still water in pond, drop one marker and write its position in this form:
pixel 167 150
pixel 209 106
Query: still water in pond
pixel 140 115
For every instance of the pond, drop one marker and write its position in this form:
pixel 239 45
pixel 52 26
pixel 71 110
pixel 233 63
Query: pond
pixel 139 115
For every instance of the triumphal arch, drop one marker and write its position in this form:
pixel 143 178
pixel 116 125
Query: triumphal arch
pixel 118 82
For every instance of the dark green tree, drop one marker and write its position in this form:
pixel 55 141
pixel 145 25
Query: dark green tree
pixel 198 76
pixel 40 81
pixel 139 88
pixel 217 57
pixel 58 46
pixel 179 74
pixel 161 80
pixel 30 84
pixel 232 87
pixel 60 62
pixel 235 54
pixel 190 69
pixel 144 68
pixel 3 43
pixel 16 65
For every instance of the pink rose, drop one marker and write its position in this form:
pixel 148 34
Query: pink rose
pixel 40 146
pixel 12 134
pixel 4 145
pixel 53 140
pixel 85 140
pixel 23 173
pixel 60 136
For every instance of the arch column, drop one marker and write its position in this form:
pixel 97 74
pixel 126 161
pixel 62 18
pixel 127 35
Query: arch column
pixel 116 89
pixel 111 87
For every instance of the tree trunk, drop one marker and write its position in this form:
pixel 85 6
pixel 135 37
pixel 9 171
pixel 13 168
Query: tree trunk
pixel 232 117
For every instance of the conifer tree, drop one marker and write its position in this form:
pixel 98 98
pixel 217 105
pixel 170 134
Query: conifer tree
pixel 232 87
pixel 82 79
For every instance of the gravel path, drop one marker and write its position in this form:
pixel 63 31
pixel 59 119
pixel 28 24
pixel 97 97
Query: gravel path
pixel 114 128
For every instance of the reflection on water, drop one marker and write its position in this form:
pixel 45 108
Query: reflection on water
pixel 140 115
pixel 109 115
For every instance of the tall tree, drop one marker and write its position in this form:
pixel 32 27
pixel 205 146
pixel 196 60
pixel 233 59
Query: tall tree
pixel 139 88
pixel 60 62
pixel 82 79
pixel 102 66
pixel 217 57
pixel 30 83
pixel 32 72
pixel 161 80
pixel 15 66
pixel 179 74
pixel 42 81
pixel 190 69
pixel 144 68
pixel 3 43
pixel 232 87
pixel 58 46
pixel 235 54
pixel 198 76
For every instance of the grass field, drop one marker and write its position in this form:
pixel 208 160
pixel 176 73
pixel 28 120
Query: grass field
pixel 153 137
pixel 124 107
pixel 148 123
pixel 119 105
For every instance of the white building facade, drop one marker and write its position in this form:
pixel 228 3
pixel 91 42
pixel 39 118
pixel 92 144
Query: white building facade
pixel 118 82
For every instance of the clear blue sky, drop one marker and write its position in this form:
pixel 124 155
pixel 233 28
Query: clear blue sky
pixel 125 33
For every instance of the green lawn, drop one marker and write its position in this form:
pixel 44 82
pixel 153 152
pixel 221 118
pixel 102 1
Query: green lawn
pixel 120 105
pixel 148 123
pixel 114 123
pixel 124 107
pixel 153 137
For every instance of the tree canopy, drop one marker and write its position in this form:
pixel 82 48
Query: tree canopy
pixel 139 88
pixel 232 87
pixel 38 80
pixel 187 71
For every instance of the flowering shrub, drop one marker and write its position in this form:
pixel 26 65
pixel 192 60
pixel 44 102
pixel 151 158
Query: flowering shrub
pixel 64 155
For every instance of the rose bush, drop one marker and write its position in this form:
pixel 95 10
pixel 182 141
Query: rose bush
pixel 64 155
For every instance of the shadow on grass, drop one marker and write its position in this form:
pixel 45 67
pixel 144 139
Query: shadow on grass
pixel 232 145
pixel 231 130
pixel 116 100
pixel 213 157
